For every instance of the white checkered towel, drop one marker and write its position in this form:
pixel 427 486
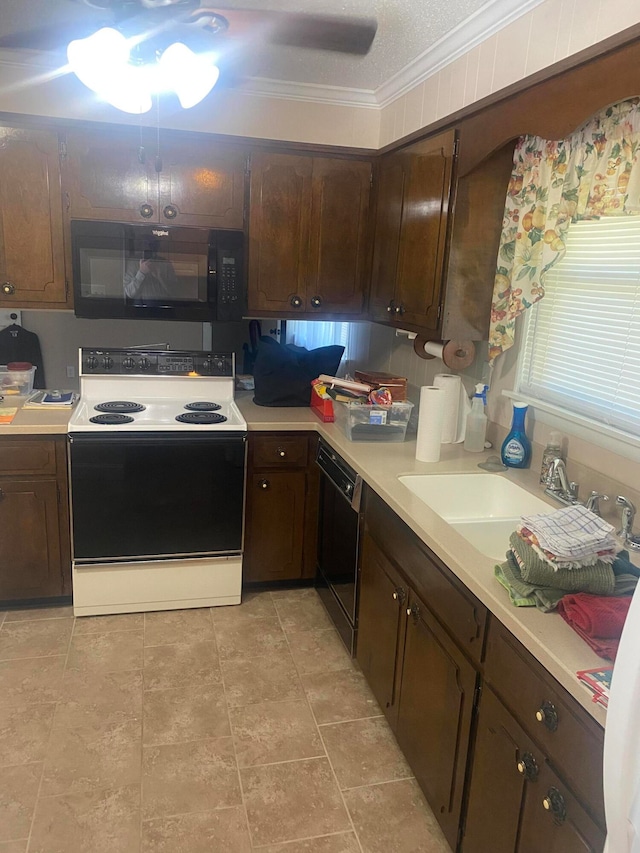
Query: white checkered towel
pixel 571 532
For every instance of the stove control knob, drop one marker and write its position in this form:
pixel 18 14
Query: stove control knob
pixel 92 362
pixel 107 362
pixel 128 363
pixel 219 363
pixel 144 364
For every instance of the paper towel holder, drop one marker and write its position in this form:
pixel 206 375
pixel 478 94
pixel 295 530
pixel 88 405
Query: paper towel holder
pixel 455 354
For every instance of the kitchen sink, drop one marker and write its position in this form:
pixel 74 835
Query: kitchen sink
pixel 484 508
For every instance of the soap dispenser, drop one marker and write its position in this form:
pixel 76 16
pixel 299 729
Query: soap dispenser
pixel 476 430
pixel 516 448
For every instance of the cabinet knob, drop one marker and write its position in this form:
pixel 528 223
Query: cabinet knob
pixel 554 803
pixel 281 453
pixel 8 288
pixel 390 307
pixel 409 611
pixel 399 309
pixel 547 715
pixel 399 594
pixel 146 211
pixel 1 495
pixel 264 484
pixel 528 767
pixel 316 301
pixel 295 302
pixel 170 211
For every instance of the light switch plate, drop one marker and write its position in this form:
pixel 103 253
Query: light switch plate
pixel 7 318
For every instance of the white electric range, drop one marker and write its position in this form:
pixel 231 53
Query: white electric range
pixel 157 472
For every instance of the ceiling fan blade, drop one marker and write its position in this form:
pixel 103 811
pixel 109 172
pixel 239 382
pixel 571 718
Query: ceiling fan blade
pixel 319 32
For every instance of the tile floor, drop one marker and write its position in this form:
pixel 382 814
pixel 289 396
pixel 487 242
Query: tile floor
pixel 231 729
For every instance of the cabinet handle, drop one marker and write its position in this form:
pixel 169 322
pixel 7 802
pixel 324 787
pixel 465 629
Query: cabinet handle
pixel 399 309
pixel 414 611
pixel 295 302
pixel 390 308
pixel 555 804
pixel 316 302
pixel 146 211
pixel 399 594
pixel 8 288
pixel 528 767
pixel 264 484
pixel 170 211
pixel 281 453
pixel 547 715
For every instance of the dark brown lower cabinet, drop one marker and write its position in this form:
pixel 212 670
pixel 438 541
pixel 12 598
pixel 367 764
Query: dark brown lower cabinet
pixel 421 677
pixel 34 521
pixel 516 800
pixel 435 713
pixel 281 508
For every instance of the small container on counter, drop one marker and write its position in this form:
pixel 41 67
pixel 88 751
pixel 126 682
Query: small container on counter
pixel 363 422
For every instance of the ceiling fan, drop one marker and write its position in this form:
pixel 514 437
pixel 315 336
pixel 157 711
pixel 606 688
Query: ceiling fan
pixel 127 51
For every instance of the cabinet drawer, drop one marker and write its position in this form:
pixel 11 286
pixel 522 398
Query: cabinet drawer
pixel 279 451
pixel 458 610
pixel 572 740
pixel 27 457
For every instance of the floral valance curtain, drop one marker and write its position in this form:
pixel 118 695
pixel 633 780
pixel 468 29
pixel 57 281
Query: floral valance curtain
pixel 592 173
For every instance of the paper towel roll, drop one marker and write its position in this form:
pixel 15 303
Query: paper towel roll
pixel 430 415
pixel 434 348
pixel 450 384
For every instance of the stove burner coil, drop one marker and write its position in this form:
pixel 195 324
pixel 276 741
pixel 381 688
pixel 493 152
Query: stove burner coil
pixel 202 407
pixel 111 419
pixel 120 407
pixel 201 418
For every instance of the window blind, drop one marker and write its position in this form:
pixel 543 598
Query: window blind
pixel 581 350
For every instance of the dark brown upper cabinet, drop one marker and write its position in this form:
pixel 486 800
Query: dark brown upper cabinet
pixel 414 199
pixel 309 235
pixel 124 176
pixel 32 246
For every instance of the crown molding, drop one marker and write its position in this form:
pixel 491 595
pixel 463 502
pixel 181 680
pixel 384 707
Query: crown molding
pixel 315 92
pixel 488 20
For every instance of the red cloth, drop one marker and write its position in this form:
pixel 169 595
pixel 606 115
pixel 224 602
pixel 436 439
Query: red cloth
pixel 598 619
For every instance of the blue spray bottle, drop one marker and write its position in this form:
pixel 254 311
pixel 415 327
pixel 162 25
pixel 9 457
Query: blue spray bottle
pixel 516 448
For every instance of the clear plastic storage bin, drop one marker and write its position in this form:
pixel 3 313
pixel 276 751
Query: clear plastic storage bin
pixel 361 422
pixel 16 382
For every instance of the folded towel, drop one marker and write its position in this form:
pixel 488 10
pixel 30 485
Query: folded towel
pixel 622 565
pixel 598 579
pixel 607 556
pixel 571 532
pixel 599 621
pixel 544 598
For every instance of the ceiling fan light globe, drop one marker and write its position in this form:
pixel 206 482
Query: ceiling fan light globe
pixel 129 90
pixel 186 73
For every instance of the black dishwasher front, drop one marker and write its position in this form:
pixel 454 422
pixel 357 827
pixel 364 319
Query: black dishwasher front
pixel 339 533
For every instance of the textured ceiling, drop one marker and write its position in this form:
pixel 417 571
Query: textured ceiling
pixel 406 29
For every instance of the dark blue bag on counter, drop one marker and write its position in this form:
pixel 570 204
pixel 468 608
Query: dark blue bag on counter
pixel 283 373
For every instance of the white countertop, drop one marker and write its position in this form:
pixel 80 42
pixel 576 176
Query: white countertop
pixel 549 639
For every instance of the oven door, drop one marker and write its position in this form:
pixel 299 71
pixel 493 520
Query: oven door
pixel 153 495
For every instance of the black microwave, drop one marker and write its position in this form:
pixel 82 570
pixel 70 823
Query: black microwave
pixel 157 272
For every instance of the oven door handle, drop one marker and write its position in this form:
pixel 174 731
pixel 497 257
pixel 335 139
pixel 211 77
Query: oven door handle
pixel 164 438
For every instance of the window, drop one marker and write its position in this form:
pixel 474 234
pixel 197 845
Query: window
pixel 312 334
pixel 581 349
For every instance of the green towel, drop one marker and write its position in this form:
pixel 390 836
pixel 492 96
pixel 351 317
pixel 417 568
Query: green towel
pixel 598 579
pixel 544 598
pixel 525 601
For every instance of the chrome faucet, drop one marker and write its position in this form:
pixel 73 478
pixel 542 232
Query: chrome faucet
pixel 559 486
pixel 628 517
pixel 593 501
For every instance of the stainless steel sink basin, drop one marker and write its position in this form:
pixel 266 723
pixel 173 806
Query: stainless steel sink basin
pixel 484 508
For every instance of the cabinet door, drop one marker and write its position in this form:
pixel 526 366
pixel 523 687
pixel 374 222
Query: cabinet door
pixel 434 715
pixel 423 232
pixel 202 183
pixel 497 786
pixel 111 176
pixel 279 232
pixel 274 525
pixel 32 264
pixel 554 822
pixel 391 180
pixel 29 540
pixel 339 242
pixel 381 624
